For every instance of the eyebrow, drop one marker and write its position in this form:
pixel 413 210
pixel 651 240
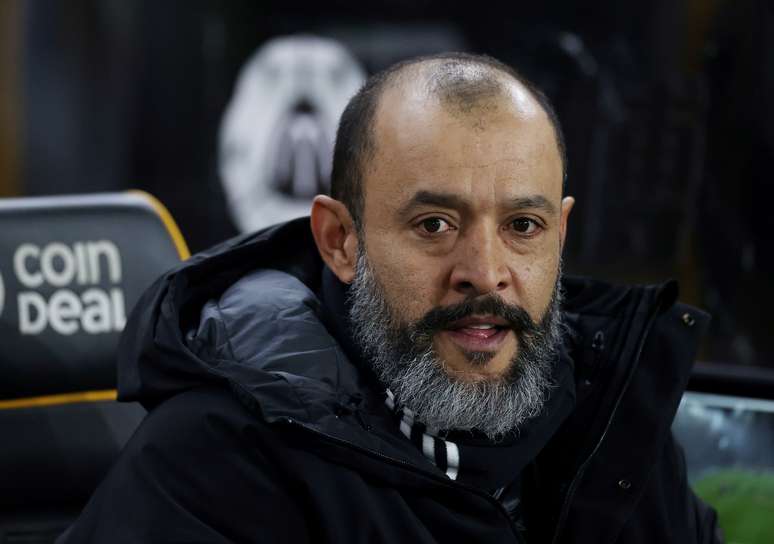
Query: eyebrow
pixel 430 198
pixel 456 202
pixel 533 202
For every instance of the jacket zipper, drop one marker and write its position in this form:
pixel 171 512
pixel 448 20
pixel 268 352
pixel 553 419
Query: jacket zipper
pixel 582 469
pixel 414 469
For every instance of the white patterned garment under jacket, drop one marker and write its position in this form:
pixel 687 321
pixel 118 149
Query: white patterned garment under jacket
pixel 442 453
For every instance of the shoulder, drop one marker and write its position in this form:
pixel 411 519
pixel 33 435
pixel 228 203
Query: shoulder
pixel 197 466
pixel 623 332
pixel 265 315
pixel 201 422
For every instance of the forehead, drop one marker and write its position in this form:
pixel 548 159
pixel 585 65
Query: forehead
pixel 503 146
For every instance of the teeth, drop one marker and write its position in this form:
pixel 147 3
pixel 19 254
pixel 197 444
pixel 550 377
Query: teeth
pixel 482 326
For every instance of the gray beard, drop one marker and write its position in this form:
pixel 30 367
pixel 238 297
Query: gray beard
pixel 406 362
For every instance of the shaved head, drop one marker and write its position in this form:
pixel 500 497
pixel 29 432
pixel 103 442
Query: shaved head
pixel 466 85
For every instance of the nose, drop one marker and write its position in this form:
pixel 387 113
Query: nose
pixel 480 263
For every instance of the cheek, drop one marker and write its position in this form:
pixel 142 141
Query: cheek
pixel 413 284
pixel 538 279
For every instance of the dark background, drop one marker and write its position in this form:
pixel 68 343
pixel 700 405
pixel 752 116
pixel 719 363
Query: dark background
pixel 667 108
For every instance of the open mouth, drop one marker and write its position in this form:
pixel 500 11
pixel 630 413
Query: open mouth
pixel 479 333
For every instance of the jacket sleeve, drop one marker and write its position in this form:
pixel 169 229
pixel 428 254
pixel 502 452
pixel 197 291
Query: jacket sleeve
pixel 706 519
pixel 709 531
pixel 195 471
pixel 671 511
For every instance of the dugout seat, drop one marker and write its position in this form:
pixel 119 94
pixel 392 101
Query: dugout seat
pixel 71 268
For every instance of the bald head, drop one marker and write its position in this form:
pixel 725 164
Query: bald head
pixel 466 86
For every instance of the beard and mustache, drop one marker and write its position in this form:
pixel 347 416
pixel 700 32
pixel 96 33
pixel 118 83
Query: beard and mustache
pixel 403 358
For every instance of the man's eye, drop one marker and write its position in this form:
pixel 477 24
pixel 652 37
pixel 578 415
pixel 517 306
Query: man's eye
pixel 434 225
pixel 524 225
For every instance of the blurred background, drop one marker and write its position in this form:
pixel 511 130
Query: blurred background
pixel 226 111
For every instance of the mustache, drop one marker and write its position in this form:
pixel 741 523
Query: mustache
pixel 443 317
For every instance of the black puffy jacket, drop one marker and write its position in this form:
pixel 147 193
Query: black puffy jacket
pixel 261 430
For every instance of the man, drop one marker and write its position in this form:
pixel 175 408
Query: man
pixel 414 369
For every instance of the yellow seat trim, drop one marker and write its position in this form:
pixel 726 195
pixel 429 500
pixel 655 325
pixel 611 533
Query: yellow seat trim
pixel 62 398
pixel 168 221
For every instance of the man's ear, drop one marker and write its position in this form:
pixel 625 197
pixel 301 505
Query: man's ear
pixel 567 203
pixel 334 233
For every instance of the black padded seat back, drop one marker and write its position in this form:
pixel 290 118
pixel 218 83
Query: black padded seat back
pixel 71 269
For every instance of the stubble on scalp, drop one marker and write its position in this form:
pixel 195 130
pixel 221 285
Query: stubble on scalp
pixel 467 91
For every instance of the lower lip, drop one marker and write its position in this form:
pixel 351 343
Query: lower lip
pixel 475 341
